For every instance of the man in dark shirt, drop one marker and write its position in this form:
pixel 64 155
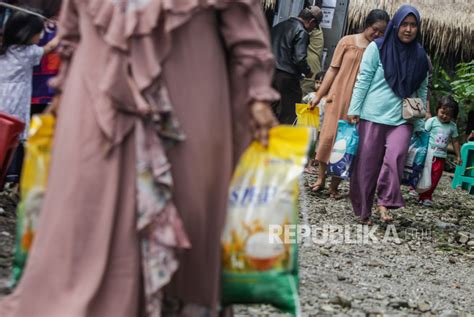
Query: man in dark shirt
pixel 290 41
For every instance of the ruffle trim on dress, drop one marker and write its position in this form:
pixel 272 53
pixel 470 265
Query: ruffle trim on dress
pixel 142 28
pixel 138 35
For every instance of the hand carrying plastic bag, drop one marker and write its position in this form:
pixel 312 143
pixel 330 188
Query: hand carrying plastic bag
pixel 309 97
pixel 33 185
pixel 307 117
pixel 425 181
pixel 416 156
pixel 258 265
pixel 344 150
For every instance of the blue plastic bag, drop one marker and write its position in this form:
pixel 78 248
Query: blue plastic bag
pixel 344 150
pixel 415 161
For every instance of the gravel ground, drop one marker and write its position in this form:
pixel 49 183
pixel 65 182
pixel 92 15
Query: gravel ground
pixel 7 237
pixel 428 271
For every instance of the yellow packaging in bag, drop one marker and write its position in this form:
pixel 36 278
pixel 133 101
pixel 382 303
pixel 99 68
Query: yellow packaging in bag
pixel 306 117
pixel 33 185
pixel 311 119
pixel 258 264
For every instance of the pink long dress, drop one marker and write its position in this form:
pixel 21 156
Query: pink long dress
pixel 214 58
pixel 347 58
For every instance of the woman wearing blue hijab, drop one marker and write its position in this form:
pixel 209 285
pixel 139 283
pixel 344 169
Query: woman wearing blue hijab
pixel 393 68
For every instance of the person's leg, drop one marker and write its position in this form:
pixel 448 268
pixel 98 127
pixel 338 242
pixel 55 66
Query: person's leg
pixel 437 168
pixel 14 170
pixel 389 181
pixel 324 148
pixel 367 164
pixel 290 95
pixel 334 188
pixel 278 85
pixel 310 169
pixel 321 181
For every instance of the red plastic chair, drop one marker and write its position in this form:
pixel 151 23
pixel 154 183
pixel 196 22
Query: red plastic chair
pixel 10 130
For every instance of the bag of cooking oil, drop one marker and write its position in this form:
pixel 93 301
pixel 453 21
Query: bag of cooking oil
pixel 260 243
pixel 32 186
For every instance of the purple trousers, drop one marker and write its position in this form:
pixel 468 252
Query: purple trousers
pixel 378 166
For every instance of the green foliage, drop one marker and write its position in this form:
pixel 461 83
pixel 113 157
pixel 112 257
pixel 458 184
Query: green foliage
pixel 459 84
pixel 463 85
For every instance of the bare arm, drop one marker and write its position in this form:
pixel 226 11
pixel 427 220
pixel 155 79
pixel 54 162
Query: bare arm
pixel 325 86
pixel 51 45
pixel 457 150
pixel 428 111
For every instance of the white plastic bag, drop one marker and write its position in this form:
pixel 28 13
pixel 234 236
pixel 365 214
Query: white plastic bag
pixel 425 181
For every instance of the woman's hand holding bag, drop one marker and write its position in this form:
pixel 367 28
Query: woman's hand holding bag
pixel 262 120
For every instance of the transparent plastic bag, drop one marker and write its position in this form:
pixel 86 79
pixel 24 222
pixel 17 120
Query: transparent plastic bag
pixel 33 185
pixel 424 184
pixel 264 195
pixel 344 150
pixel 415 160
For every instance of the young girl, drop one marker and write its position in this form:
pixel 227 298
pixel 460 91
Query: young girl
pixel 18 55
pixel 307 99
pixel 442 130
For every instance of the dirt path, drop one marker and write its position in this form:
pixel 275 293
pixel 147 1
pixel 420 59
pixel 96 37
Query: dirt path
pixel 430 271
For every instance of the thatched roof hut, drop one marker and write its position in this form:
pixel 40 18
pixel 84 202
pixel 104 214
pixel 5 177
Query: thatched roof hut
pixel 448 25
pixel 268 4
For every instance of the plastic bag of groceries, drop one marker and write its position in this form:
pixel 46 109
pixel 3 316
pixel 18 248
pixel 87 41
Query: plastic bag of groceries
pixel 308 118
pixel 424 184
pixel 416 156
pixel 321 106
pixel 259 261
pixel 344 150
pixel 33 185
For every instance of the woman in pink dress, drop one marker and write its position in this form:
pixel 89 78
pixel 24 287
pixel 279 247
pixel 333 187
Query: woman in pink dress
pixel 158 99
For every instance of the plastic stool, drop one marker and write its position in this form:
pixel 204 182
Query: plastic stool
pixel 464 174
pixel 10 130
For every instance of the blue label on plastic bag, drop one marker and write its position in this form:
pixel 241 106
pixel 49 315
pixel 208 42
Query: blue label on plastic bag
pixel 344 150
pixel 415 161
